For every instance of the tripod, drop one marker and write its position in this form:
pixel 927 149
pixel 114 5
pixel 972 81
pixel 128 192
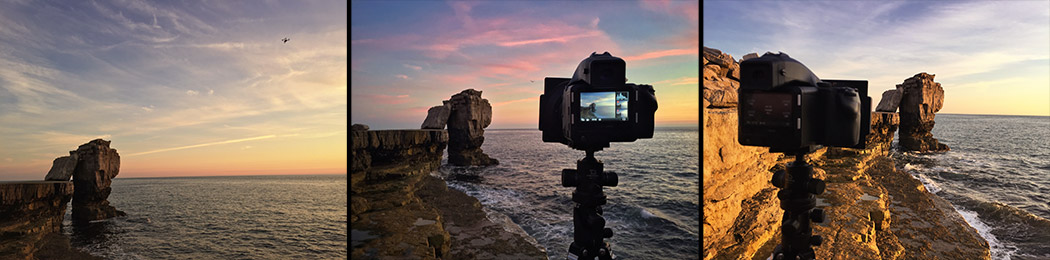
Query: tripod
pixel 589 229
pixel 798 201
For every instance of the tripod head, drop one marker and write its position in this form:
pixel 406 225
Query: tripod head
pixel 589 229
pixel 797 199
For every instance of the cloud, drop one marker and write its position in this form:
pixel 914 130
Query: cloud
pixel 192 92
pixel 401 76
pixel 412 67
pixel 204 144
pixel 661 54
pixel 531 99
pixel 148 109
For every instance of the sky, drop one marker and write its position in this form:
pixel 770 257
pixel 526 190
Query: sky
pixel 407 56
pixel 181 88
pixel 991 57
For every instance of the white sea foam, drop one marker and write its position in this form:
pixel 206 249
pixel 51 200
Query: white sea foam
pixel 998 250
pixel 931 185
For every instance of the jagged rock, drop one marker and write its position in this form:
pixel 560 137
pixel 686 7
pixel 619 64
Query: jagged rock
pixel 437 117
pixel 469 117
pixel 891 99
pixel 921 97
pixel 96 167
pixel 721 79
pixel 62 168
pixel 359 127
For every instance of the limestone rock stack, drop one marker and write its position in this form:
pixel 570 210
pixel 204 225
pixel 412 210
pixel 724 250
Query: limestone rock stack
pixel 921 97
pixel 95 169
pixel 467 115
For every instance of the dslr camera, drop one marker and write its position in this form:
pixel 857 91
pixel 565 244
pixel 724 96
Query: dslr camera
pixel 785 107
pixel 596 106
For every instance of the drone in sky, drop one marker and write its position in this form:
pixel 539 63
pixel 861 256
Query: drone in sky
pixel 285 40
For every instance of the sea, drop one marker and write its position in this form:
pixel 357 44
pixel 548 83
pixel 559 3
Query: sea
pixel 997 176
pixel 653 211
pixel 226 217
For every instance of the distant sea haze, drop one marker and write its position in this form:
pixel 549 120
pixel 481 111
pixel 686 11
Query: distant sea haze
pixel 225 217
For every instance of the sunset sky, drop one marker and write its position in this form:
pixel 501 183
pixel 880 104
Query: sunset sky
pixel 408 56
pixel 182 88
pixel 991 57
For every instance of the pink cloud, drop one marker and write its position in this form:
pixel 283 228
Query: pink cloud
pixel 663 53
pixel 534 99
pixel 402 76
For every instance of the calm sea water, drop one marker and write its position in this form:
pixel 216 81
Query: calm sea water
pixel 997 175
pixel 235 217
pixel 653 212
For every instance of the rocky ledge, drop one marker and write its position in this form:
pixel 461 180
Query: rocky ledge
pixel 874 211
pixel 31 214
pixel 398 210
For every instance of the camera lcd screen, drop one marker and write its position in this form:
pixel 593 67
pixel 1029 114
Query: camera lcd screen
pixel 767 109
pixel 604 106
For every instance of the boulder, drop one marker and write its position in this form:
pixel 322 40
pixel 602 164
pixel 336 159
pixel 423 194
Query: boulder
pixel 437 117
pixel 97 165
pixel 467 121
pixel 891 99
pixel 62 168
pixel 921 97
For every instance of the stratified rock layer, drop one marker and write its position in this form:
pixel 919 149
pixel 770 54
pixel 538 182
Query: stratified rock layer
pixel 921 97
pixel 470 115
pixel 96 167
pixel 29 211
pixel 405 213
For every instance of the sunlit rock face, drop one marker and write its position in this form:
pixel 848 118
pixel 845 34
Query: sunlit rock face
pixel 921 97
pixel 873 210
pixel 96 167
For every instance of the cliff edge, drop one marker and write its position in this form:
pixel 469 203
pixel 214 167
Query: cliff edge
pixel 398 210
pixel 874 211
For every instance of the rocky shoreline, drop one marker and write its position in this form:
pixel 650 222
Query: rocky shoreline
pixel 874 210
pixel 399 210
pixel 31 212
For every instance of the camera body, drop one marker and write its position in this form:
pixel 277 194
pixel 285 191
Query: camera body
pixel 787 108
pixel 596 106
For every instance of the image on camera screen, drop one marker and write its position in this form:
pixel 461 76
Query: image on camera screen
pixel 603 106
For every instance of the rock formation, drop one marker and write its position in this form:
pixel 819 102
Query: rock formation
pixel 467 116
pixel 873 210
pixel 437 116
pixel 96 167
pixel 28 212
pixel 921 97
pixel 63 167
pixel 398 210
